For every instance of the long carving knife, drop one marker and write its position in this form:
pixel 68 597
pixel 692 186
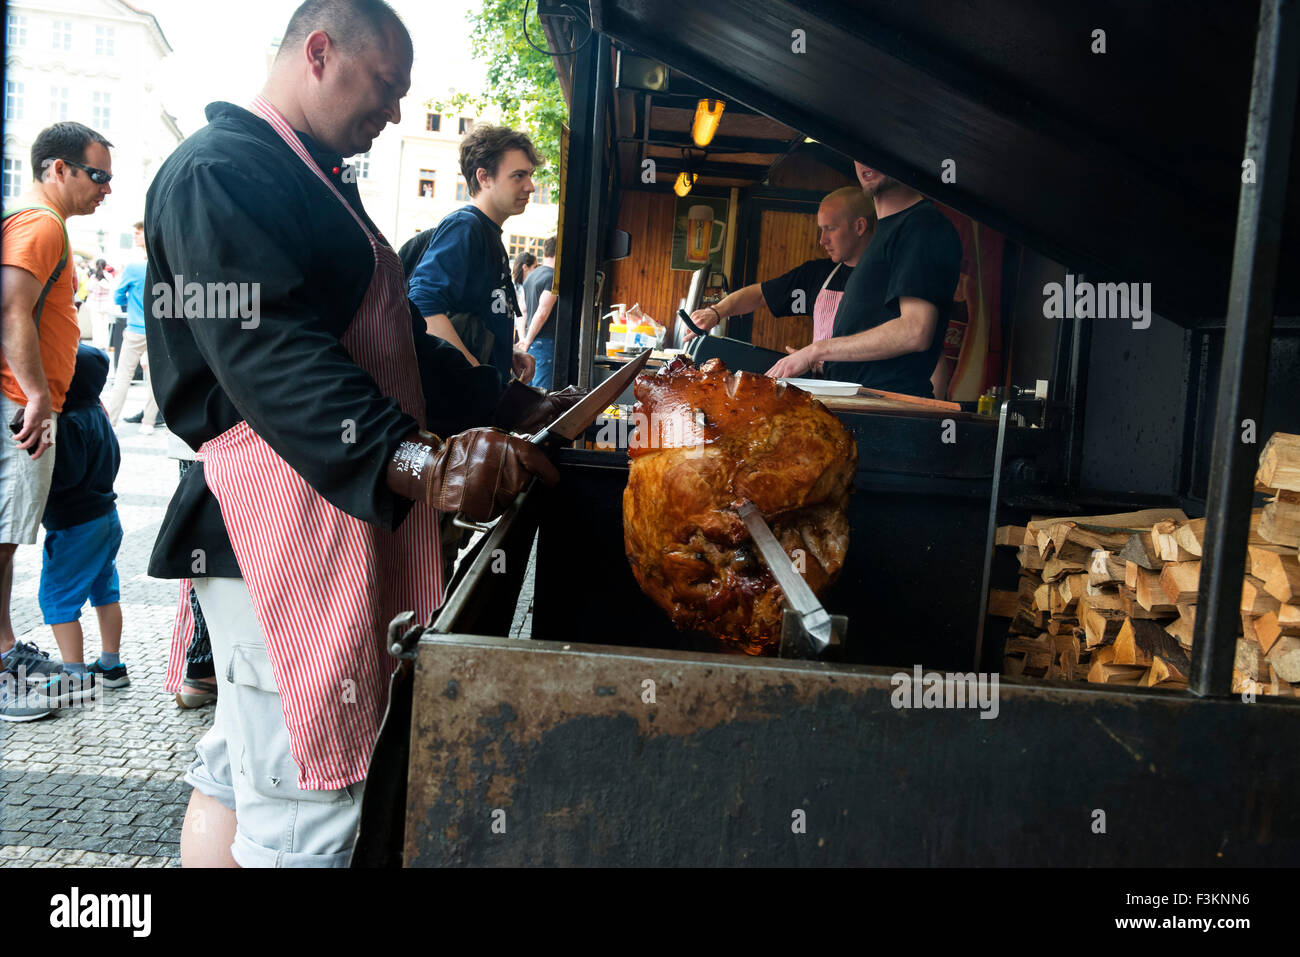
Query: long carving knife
pixel 819 630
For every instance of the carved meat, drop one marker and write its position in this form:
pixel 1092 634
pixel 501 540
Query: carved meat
pixel 706 441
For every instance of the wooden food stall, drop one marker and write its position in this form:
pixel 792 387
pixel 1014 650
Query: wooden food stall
pixel 608 737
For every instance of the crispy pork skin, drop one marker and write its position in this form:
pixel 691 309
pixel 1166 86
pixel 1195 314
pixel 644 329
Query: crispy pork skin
pixel 706 441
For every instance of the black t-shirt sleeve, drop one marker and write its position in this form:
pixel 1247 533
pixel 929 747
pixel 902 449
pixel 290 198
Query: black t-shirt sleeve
pixel 924 264
pixel 793 293
pixel 284 370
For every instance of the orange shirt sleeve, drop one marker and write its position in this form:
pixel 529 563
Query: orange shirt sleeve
pixel 33 240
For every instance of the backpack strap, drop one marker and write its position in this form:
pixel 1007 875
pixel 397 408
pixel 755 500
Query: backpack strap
pixel 58 270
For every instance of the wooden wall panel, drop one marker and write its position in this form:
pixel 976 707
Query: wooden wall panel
pixel 645 276
pixel 786 240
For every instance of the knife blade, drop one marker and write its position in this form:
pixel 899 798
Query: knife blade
pixel 574 421
pixel 815 619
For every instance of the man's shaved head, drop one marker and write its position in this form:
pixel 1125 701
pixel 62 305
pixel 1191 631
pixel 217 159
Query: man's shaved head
pixel 350 24
pixel 341 73
pixel 846 220
pixel 855 204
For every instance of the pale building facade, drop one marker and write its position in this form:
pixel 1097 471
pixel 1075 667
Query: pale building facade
pixel 411 178
pixel 95 62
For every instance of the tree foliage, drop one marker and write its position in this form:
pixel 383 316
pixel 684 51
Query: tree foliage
pixel 521 81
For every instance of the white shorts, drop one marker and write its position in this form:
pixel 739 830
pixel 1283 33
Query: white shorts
pixel 24 482
pixel 244 761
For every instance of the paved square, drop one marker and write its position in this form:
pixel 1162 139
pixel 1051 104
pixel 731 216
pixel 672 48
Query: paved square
pixel 103 786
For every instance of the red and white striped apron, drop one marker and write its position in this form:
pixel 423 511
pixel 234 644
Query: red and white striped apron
pixel 325 584
pixel 824 308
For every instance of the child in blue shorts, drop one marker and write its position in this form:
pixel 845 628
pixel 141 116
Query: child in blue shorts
pixel 82 536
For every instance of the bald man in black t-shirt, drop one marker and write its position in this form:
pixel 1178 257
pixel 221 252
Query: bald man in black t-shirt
pixel 889 328
pixel 845 224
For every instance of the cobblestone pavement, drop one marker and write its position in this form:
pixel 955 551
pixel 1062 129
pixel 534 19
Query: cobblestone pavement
pixel 102 786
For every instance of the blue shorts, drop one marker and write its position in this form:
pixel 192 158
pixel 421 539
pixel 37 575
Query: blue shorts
pixel 79 563
pixel 543 350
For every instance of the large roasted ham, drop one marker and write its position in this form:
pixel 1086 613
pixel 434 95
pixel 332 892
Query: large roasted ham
pixel 706 441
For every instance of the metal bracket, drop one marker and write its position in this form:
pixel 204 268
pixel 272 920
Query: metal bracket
pixel 798 642
pixel 403 635
pixel 1029 402
pixel 472 526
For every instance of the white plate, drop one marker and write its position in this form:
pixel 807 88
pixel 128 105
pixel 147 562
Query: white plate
pixel 823 386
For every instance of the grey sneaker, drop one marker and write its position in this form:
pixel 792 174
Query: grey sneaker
pixel 16 704
pixel 36 662
pixel 64 690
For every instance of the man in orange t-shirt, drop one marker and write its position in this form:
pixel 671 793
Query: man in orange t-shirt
pixel 74 166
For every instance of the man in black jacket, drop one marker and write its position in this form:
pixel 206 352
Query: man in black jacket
pixel 291 360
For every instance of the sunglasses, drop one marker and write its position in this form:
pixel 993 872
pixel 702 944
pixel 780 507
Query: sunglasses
pixel 98 176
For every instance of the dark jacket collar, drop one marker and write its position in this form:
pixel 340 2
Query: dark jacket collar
pixel 240 118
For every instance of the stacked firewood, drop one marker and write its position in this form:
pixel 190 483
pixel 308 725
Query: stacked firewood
pixel 1112 598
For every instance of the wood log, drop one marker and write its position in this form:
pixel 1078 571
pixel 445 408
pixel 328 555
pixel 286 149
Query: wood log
pixel 1054 569
pixel 1139 641
pixel 1013 665
pixel 1277 567
pixel 1281 522
pixel 1288 616
pixel 1285 658
pixel 1167 673
pixel 1249 659
pixel 1132 521
pixel 1043 597
pixel 1191 534
pixel 1009 535
pixel 1279 463
pixel 1140 549
pixel 1267 631
pixel 1110 600
pixel 1101 627
pixel 1255 600
pixel 1029 557
pixel 1150 595
pixel 1105 567
pixel 1165 542
pixel 1248 628
pixel 1062 626
pixel 1181 630
pixel 1071 588
pixel 1180 581
pixel 1133 608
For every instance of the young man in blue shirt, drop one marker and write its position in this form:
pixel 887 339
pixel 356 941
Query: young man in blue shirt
pixel 129 295
pixel 462 284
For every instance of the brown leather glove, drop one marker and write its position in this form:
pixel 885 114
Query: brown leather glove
pixel 477 473
pixel 525 409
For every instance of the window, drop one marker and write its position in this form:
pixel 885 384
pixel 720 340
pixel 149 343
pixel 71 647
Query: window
pixel 13 179
pixel 103 41
pixel 362 163
pixel 13 100
pixel 58 104
pixel 462 191
pixel 542 197
pixel 466 124
pixel 100 111
pixel 63 35
pixel 519 244
pixel 15 29
pixel 433 122
pixel 427 180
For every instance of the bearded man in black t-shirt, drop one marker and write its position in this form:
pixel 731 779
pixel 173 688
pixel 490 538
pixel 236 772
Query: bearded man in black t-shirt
pixel 845 223
pixel 889 328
